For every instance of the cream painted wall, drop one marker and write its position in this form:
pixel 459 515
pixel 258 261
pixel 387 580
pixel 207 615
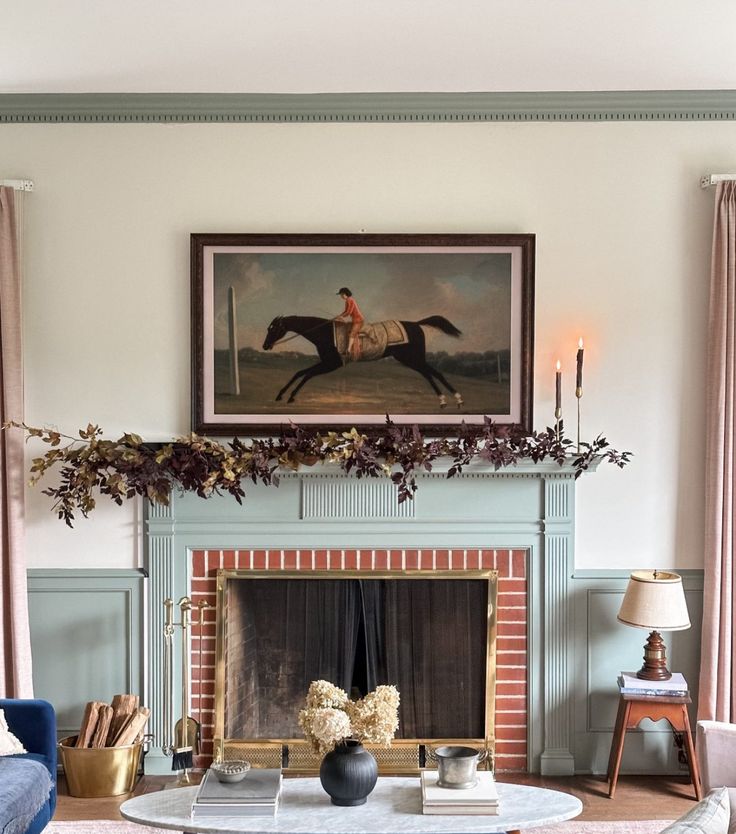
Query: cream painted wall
pixel 623 245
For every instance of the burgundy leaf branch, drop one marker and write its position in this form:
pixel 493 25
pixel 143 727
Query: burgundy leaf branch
pixel 127 467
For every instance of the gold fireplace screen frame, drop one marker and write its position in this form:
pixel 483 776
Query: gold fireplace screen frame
pixel 295 755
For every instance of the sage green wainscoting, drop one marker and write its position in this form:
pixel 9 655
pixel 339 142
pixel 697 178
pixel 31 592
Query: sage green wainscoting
pixel 603 648
pixel 87 634
pixel 86 637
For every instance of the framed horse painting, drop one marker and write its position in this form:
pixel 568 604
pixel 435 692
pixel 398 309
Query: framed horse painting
pixel 342 330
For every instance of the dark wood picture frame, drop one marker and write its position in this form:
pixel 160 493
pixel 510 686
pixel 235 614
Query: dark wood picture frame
pixel 512 367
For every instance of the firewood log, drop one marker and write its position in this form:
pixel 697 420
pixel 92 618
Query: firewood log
pixel 89 723
pixel 147 712
pixel 130 730
pixel 131 702
pixel 99 739
pixel 123 707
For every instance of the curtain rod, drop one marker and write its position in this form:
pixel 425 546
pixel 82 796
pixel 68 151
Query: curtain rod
pixel 712 179
pixel 18 185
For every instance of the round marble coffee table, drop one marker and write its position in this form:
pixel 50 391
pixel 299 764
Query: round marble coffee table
pixel 395 806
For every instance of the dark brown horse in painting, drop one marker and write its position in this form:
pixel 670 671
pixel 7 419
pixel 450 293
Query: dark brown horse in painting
pixel 320 333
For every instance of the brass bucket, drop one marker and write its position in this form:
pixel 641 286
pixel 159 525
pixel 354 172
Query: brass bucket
pixel 99 771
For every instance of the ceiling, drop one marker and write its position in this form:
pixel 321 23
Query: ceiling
pixel 333 46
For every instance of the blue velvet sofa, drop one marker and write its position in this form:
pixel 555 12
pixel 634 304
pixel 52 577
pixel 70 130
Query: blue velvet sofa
pixel 34 723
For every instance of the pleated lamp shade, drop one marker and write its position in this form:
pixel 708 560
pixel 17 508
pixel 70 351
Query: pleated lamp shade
pixel 655 600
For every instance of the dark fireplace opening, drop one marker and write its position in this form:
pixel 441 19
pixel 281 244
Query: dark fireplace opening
pixel 429 635
pixel 359 685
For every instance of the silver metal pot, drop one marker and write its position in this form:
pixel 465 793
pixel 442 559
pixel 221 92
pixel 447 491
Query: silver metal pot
pixel 457 766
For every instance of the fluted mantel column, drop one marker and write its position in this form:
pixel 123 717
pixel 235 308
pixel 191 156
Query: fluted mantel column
pixel 558 561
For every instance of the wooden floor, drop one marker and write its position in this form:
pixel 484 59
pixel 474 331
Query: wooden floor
pixel 637 797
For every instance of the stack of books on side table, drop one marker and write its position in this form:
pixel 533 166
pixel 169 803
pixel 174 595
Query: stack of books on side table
pixel 482 799
pixel 675 687
pixel 256 795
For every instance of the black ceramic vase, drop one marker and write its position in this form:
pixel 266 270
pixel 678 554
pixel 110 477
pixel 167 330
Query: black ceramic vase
pixel 348 773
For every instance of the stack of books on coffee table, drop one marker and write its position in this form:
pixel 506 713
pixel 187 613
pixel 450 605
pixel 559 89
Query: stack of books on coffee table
pixel 256 795
pixel 482 799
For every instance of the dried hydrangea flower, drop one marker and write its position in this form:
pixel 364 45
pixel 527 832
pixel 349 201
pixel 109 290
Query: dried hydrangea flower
pixel 375 718
pixel 331 726
pixel 330 717
pixel 325 694
pixel 325 727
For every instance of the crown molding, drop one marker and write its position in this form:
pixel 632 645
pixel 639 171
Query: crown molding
pixel 646 105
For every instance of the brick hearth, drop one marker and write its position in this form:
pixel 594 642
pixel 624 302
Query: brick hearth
pixel 511 647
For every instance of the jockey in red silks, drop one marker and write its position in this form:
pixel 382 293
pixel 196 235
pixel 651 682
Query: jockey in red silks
pixel 351 312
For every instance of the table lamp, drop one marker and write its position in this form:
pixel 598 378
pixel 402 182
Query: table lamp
pixel 655 600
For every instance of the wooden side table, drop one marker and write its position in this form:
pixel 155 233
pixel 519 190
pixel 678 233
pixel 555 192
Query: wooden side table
pixel 632 709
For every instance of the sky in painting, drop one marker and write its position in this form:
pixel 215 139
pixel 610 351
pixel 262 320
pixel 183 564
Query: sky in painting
pixel 472 290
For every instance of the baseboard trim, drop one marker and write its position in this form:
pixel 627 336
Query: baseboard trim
pixel 557 763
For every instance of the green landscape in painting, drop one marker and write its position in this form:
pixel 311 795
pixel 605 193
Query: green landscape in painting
pixel 381 387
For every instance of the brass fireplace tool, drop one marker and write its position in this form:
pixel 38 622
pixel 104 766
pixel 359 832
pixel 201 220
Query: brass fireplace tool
pixel 182 741
pixel 167 733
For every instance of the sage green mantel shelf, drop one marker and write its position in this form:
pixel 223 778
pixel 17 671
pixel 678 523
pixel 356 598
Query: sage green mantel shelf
pixel 440 467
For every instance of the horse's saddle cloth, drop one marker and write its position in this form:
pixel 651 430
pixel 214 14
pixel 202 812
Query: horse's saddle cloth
pixel 374 337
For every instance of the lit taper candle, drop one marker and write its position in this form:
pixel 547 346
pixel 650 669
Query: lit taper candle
pixel 579 371
pixel 558 399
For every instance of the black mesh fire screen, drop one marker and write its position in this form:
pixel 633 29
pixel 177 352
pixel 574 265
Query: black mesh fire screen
pixel 427 636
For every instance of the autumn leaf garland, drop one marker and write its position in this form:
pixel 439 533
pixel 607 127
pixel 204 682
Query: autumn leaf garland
pixel 124 468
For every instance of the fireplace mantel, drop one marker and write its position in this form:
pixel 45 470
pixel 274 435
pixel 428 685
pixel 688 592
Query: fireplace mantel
pixel 528 506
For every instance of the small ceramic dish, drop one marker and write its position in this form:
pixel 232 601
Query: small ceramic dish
pixel 230 771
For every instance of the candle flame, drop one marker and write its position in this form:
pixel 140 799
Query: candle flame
pixel 580 343
pixel 558 365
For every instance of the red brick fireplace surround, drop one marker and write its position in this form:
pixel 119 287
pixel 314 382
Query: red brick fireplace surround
pixel 511 646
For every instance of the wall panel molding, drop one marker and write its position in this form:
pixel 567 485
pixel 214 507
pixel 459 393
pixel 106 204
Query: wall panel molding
pixel 596 106
pixel 603 648
pixel 86 637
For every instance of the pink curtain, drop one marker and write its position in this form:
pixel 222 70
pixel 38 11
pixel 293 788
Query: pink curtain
pixel 15 670
pixel 717 699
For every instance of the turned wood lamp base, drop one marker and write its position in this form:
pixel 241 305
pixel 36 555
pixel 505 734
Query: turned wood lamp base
pixel 655 660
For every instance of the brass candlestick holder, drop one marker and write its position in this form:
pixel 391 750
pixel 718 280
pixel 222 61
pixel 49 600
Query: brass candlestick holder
pixel 579 381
